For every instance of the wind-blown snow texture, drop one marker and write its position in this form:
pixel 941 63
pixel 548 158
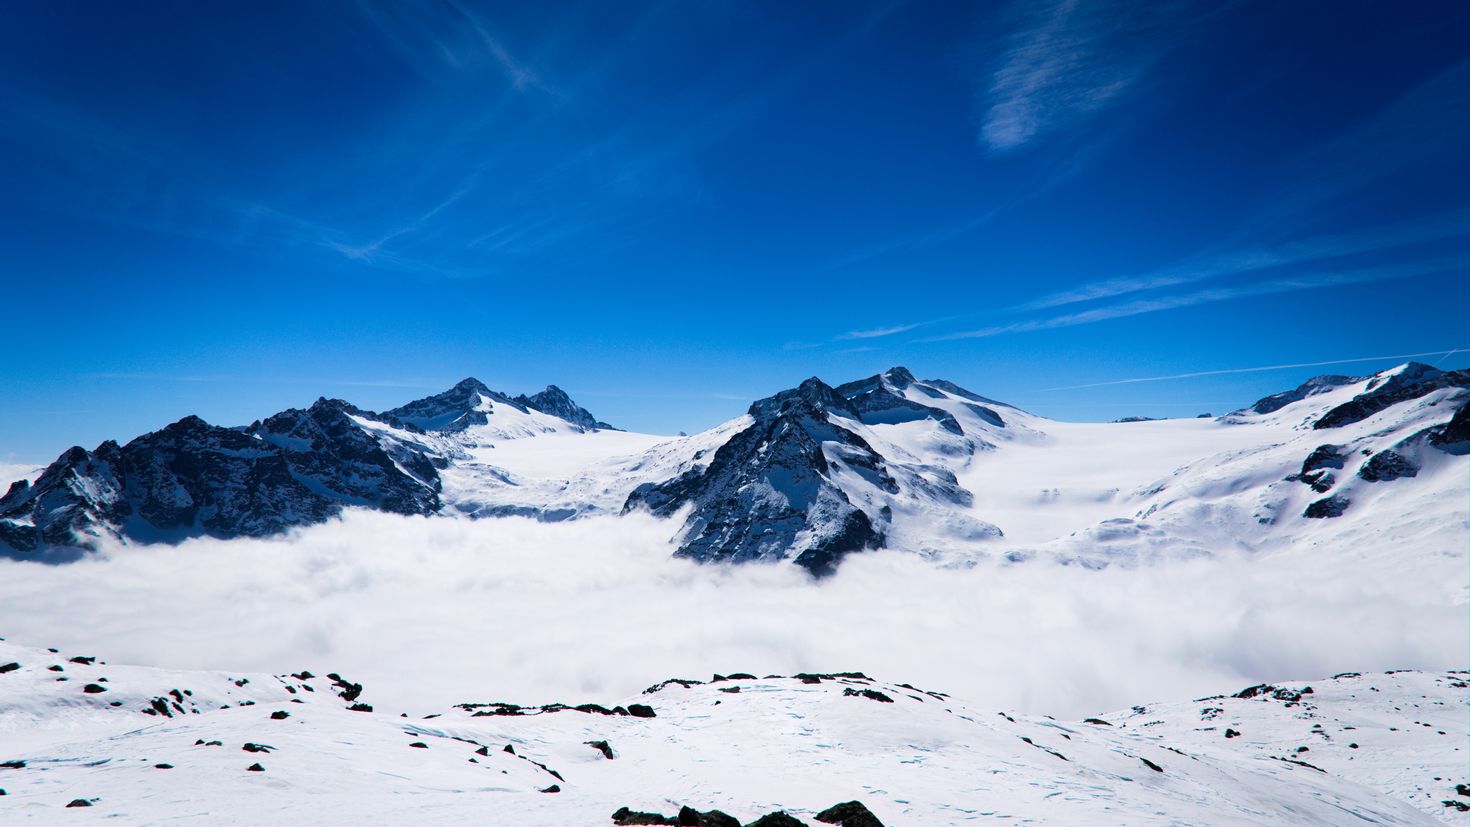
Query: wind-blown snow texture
pixel 144 745
pixel 806 476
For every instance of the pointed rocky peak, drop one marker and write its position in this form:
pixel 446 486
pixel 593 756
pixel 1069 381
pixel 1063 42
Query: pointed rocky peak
pixel 879 400
pixel 1409 373
pixel 464 405
pixel 468 385
pixel 813 398
pixel 557 403
pixel 1309 388
pixel 899 377
pixel 1408 381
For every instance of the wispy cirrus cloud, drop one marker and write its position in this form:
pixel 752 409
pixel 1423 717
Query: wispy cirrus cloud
pixel 446 34
pixel 1068 59
pixel 879 332
pixel 1438 227
pixel 1443 354
pixel 1290 284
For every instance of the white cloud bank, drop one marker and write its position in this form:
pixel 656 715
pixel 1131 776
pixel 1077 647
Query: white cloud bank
pixel 428 612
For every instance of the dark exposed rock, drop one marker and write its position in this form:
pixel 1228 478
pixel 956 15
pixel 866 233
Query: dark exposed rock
pixel 1311 387
pixel 602 747
pixel 772 482
pixel 780 818
pixel 12 765
pixel 627 816
pixel 80 802
pixel 8 667
pixel 1414 381
pixel 1456 432
pixel 1230 733
pixel 661 685
pixel 1323 456
pixel 280 715
pixel 361 708
pixel 772 491
pixel 248 747
pixel 554 401
pixel 877 400
pixel 849 814
pixel 1387 465
pixel 1334 506
pixel 871 694
pixel 93 688
pixel 641 711
pixel 690 817
pixel 455 409
pixel 191 478
pixel 1267 690
pixel 1151 765
pixel 419 745
pixel 1098 721
pixel 255 768
pixel 554 788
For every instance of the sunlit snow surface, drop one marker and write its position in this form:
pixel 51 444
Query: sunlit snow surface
pixel 1136 563
pixel 1374 748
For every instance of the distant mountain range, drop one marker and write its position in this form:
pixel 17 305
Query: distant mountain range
pixel 807 475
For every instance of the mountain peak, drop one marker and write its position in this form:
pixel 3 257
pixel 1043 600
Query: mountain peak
pixel 899 376
pixel 555 401
pixel 470 384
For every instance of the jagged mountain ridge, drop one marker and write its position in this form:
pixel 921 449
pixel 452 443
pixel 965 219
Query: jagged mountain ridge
pixel 803 482
pixel 294 468
pixel 807 475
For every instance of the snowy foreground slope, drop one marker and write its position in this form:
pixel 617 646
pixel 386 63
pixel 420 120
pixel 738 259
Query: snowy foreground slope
pixel 808 475
pixel 135 745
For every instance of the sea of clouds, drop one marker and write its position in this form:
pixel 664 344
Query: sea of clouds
pixel 429 612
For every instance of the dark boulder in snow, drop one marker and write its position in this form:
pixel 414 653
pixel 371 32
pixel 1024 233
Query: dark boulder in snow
pixel 849 814
pixel 690 817
pixel 1387 465
pixel 1455 434
pixel 1334 506
pixel 627 816
pixel 1323 456
pixel 780 818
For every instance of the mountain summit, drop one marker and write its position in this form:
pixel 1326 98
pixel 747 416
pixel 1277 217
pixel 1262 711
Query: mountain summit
pixel 804 477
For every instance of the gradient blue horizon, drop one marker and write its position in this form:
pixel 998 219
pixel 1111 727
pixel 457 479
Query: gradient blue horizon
pixel 670 210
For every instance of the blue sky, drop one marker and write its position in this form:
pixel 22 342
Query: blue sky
pixel 672 209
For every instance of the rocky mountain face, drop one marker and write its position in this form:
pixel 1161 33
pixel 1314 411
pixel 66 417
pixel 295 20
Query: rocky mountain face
pixel 555 402
pixel 803 483
pixel 805 476
pixel 295 468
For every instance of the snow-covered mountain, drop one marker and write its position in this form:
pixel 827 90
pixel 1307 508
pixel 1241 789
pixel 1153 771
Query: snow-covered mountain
pixel 144 745
pixel 807 475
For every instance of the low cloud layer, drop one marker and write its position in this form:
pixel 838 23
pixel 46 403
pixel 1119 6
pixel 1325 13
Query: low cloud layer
pixel 428 612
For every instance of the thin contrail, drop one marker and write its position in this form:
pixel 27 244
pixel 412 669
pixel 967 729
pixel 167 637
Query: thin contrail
pixel 1442 353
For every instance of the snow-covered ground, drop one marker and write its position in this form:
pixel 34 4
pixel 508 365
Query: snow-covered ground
pixel 1030 567
pixel 144 745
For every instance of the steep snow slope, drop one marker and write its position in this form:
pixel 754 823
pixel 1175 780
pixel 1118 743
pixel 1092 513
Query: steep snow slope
pixel 144 745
